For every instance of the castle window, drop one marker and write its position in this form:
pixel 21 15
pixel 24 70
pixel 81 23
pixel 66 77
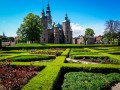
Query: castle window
pixel 67 32
pixel 44 39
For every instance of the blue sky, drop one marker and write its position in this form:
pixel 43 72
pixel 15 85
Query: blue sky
pixel 82 13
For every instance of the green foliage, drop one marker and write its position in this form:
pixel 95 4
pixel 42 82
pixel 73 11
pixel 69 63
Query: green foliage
pixel 111 30
pixel 89 32
pixel 48 78
pixel 45 80
pixel 25 58
pixel 59 60
pixel 0 43
pixel 66 52
pixel 84 53
pixel 89 81
pixel 31 28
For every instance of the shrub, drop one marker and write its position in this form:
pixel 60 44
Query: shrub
pixel 0 43
pixel 25 58
pixel 89 81
pixel 45 80
pixel 66 52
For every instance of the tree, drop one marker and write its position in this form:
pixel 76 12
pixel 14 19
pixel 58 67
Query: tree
pixel 31 28
pixel 111 30
pixel 89 32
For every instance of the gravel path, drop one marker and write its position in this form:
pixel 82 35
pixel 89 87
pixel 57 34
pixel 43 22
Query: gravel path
pixel 116 87
pixel 84 62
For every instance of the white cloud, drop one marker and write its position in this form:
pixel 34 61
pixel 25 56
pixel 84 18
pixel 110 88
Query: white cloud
pixel 98 28
pixel 77 29
pixel 80 30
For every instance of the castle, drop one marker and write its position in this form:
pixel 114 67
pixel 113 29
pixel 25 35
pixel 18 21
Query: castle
pixel 55 32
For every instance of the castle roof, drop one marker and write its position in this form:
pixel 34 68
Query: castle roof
pixel 58 25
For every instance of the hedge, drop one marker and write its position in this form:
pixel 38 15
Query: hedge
pixel 30 63
pixel 59 60
pixel 45 47
pixel 0 43
pixel 66 52
pixel 25 58
pixel 45 80
pixel 99 68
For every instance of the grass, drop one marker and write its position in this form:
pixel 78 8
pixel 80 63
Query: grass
pixel 39 44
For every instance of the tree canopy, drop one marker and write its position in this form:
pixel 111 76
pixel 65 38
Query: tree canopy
pixel 112 29
pixel 89 32
pixel 31 28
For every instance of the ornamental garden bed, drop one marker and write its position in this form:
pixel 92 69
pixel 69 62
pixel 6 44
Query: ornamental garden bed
pixel 89 77
pixel 56 73
pixel 89 81
pixel 51 51
pixel 15 77
pixel 94 59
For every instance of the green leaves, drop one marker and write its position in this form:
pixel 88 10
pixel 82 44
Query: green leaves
pixel 89 32
pixel 31 28
pixel 89 81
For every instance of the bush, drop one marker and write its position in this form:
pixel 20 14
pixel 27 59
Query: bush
pixel 66 52
pixel 0 43
pixel 89 81
pixel 26 58
pixel 45 80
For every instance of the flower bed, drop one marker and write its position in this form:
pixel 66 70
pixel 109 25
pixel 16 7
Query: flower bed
pixel 96 59
pixel 15 77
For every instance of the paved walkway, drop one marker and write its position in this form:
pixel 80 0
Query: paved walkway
pixel 76 60
pixel 116 87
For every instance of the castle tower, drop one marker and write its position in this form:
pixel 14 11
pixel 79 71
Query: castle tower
pixel 43 13
pixel 48 14
pixel 67 30
pixel 44 35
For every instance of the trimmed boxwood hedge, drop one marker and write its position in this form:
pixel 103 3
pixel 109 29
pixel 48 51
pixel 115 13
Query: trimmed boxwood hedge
pixel 26 58
pixel 66 52
pixel 47 79
pixel 0 43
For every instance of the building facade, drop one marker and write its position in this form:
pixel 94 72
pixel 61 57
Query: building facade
pixel 81 40
pixel 55 32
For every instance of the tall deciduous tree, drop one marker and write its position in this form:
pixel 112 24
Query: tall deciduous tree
pixel 31 28
pixel 89 32
pixel 112 29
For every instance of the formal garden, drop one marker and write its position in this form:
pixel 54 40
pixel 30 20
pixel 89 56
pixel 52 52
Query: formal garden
pixel 59 67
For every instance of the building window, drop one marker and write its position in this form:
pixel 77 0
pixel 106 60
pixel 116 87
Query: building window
pixel 44 39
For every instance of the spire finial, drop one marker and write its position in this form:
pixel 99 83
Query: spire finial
pixel 66 17
pixel 3 34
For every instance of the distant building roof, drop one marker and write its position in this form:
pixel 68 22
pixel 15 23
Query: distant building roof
pixel 98 38
pixel 58 25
